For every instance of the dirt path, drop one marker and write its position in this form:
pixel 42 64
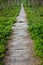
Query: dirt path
pixel 20 46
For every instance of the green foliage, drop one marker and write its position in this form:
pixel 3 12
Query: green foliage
pixel 1 63
pixel 41 11
pixel 35 23
pixel 2 50
pixel 7 18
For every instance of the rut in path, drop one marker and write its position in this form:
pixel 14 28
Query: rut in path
pixel 20 46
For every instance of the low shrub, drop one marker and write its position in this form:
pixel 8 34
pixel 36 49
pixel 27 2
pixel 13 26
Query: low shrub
pixel 7 18
pixel 35 25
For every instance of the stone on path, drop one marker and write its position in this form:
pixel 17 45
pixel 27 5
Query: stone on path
pixel 20 46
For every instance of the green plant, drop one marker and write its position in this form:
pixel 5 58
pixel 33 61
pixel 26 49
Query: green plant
pixel 35 25
pixel 7 18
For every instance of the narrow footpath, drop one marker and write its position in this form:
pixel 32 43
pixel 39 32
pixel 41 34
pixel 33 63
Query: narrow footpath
pixel 20 48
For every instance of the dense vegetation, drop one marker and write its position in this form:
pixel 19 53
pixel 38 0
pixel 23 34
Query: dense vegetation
pixel 7 18
pixel 35 25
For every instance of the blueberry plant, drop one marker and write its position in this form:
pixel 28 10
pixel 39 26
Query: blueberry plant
pixel 35 25
pixel 8 13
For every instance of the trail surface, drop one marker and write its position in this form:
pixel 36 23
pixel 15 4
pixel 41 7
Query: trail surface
pixel 20 48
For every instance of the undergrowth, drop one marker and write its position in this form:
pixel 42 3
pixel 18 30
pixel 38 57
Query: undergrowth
pixel 35 25
pixel 7 18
